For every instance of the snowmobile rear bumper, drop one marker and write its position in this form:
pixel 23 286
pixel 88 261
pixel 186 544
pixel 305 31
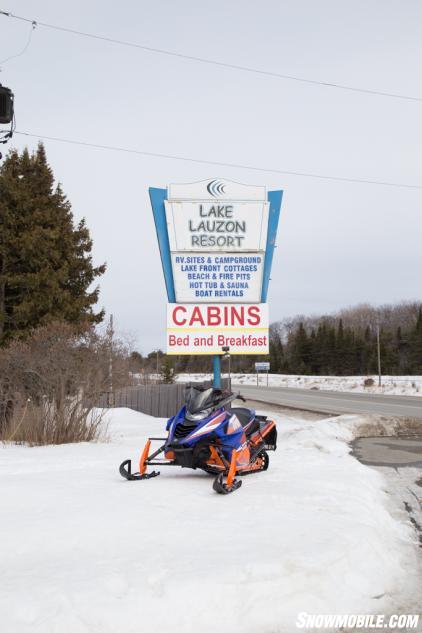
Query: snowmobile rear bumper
pixel 270 439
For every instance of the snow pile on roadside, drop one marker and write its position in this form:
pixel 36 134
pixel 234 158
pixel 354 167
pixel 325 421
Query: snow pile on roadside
pixel 82 550
pixel 391 385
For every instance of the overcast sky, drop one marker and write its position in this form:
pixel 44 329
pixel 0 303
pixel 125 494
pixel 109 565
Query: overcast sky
pixel 338 243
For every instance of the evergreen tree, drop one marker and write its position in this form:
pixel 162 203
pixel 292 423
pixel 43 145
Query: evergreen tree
pixel 322 348
pixel 276 354
pixel 387 353
pixel 167 371
pixel 46 269
pixel 340 350
pixel 331 351
pixel 313 353
pixel 300 354
pixel 402 347
pixel 416 346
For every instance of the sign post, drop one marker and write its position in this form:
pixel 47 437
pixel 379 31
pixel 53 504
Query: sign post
pixel 217 372
pixel 216 240
pixel 265 367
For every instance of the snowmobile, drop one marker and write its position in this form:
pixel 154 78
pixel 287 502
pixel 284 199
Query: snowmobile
pixel 207 434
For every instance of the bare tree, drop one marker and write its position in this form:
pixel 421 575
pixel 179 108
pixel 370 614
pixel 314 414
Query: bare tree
pixel 51 383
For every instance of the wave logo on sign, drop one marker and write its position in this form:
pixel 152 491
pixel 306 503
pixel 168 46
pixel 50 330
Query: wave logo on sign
pixel 216 188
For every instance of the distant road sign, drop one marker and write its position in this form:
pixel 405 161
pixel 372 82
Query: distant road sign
pixel 264 366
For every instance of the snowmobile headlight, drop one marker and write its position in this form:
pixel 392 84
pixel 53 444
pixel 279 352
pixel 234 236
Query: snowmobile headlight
pixel 201 415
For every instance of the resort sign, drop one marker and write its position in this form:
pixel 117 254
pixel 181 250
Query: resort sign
pixel 216 240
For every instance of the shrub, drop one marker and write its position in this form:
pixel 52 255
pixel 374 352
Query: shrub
pixel 368 382
pixel 50 385
pixel 167 371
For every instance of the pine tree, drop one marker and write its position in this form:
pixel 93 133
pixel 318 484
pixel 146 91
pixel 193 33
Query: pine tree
pixel 402 346
pixel 300 351
pixel 416 346
pixel 313 353
pixel 167 371
pixel 321 345
pixel 46 269
pixel 276 354
pixel 340 350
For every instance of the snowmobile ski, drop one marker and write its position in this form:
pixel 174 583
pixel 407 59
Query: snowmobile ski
pixel 125 469
pixel 223 488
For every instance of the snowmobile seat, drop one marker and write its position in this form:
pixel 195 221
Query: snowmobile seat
pixel 245 416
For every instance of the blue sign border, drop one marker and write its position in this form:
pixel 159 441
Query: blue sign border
pixel 158 197
pixel 274 198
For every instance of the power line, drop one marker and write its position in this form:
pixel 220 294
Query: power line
pixel 203 60
pixel 219 163
pixel 25 48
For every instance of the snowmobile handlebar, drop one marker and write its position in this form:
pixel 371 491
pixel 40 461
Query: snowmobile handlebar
pixel 229 398
pixel 201 398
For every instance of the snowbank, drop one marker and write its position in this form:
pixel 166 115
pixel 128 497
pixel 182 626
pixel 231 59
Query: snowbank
pixel 82 550
pixel 391 385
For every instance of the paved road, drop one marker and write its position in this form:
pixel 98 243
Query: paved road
pixel 395 452
pixel 334 402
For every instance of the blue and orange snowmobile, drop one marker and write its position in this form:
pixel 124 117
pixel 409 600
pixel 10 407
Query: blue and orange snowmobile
pixel 207 434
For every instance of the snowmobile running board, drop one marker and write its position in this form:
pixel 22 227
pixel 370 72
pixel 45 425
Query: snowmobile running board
pixel 125 469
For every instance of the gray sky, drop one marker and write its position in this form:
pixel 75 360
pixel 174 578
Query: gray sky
pixel 338 243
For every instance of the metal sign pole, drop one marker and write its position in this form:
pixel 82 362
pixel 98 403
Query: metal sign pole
pixel 230 375
pixel 217 372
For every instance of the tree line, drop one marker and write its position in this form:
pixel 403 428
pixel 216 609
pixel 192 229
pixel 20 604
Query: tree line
pixel 334 349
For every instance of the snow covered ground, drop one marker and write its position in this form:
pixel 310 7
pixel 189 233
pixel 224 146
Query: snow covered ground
pixel 84 551
pixel 392 385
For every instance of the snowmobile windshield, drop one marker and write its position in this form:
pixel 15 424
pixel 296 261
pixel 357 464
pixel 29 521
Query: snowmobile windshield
pixel 198 401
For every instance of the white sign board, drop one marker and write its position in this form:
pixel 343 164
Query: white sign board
pixel 206 329
pixel 220 225
pixel 217 232
pixel 218 277
pixel 264 366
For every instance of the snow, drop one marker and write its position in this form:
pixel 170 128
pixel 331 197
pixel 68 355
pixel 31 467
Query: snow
pixel 390 385
pixel 84 551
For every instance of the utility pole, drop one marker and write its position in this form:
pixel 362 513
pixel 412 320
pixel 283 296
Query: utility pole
pixel 379 354
pixel 156 364
pixel 110 361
